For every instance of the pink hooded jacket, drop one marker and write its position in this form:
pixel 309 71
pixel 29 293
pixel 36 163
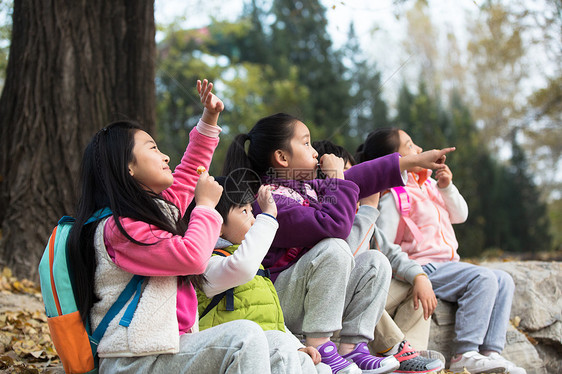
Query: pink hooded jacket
pixel 433 210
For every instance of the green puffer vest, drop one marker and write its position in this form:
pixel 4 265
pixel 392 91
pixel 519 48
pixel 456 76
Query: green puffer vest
pixel 256 300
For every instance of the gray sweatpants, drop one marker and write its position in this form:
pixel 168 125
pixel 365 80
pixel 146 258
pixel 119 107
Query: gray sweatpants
pixel 323 292
pixel 236 347
pixel 484 299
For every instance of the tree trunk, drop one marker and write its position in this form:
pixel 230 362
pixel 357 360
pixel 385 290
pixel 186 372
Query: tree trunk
pixel 73 67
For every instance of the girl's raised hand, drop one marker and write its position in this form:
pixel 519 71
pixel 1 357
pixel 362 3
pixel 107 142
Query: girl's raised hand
pixel 266 202
pixel 434 159
pixel 444 177
pixel 207 191
pixel 332 165
pixel 212 103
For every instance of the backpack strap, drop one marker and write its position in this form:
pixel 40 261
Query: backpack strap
pixel 264 273
pixel 403 206
pixel 100 214
pixel 132 288
pixel 229 294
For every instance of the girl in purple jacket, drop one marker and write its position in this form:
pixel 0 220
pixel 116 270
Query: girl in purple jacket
pixel 321 288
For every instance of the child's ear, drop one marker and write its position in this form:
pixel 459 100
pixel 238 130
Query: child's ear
pixel 131 172
pixel 280 158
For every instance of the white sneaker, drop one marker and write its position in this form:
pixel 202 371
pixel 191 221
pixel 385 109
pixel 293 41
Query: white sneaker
pixel 510 366
pixel 475 363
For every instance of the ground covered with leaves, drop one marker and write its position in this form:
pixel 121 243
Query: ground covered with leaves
pixel 25 342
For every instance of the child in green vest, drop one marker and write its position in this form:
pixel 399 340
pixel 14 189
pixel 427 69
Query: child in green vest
pixel 237 286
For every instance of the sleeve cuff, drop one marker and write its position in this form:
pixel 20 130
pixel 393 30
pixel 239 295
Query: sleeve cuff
pixel 212 210
pixel 208 130
pixel 447 189
pixel 269 215
pixel 269 218
pixel 369 210
pixel 412 273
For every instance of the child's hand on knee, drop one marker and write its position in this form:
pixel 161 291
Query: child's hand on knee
pixel 423 294
pixel 313 353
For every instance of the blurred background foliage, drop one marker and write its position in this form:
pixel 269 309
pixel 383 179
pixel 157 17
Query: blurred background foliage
pixel 278 55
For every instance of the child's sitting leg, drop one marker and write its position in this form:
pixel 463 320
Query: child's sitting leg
pixel 400 306
pixel 311 293
pixel 392 340
pixel 365 300
pixel 238 346
pixel 284 356
pixel 482 315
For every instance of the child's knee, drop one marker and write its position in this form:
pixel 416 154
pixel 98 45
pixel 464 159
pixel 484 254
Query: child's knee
pixel 487 280
pixel 337 249
pixel 376 260
pixel 244 329
pixel 505 281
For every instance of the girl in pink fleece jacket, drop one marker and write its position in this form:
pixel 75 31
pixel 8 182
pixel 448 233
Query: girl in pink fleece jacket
pixel 483 295
pixel 124 170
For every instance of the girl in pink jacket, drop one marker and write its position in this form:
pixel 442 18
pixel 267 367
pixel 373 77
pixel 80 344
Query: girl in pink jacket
pixel 483 295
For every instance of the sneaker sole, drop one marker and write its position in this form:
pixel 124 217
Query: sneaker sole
pixel 432 370
pixel 498 370
pixel 388 368
pixel 419 372
pixel 433 354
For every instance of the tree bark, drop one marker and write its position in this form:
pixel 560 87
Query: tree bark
pixel 73 67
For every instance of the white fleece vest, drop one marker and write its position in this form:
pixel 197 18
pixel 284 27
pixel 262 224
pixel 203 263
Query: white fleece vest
pixel 154 328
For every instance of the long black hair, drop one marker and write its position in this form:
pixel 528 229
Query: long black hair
pixel 380 142
pixel 268 135
pixel 105 182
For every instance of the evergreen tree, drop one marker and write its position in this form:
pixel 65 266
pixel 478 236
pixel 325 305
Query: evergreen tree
pixel 299 38
pixel 250 90
pixel 529 220
pixel 369 109
pixel 422 116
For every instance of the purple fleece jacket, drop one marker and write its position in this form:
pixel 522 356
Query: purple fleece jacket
pixel 331 216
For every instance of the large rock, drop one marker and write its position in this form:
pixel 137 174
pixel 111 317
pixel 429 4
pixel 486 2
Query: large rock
pixel 534 337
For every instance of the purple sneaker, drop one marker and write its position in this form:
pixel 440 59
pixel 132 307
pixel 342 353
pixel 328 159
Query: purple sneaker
pixel 370 364
pixel 331 357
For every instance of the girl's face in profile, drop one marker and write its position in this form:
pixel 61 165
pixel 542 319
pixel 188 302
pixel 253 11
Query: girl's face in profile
pixel 150 166
pixel 408 147
pixel 303 158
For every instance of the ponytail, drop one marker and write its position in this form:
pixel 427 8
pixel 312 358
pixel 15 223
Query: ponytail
pixel 236 157
pixel 380 142
pixel 360 153
pixel 268 135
